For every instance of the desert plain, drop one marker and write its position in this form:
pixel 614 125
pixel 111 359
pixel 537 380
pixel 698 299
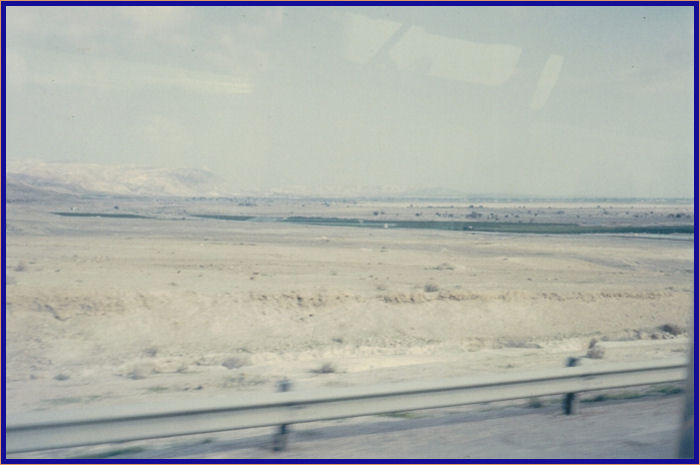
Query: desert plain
pixel 121 300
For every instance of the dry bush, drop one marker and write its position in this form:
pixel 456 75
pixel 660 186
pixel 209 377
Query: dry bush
pixel 234 362
pixel 431 287
pixel 510 343
pixel 150 351
pixel 672 329
pixel 326 368
pixel 595 350
pixel 444 267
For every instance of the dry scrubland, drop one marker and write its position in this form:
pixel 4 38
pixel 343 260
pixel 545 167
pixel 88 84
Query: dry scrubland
pixel 118 309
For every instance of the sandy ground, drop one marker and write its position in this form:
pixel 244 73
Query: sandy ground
pixel 105 310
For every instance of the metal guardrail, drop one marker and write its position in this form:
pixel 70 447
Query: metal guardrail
pixel 34 431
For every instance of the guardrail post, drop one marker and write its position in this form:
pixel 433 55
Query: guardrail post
pixel 279 440
pixel 570 398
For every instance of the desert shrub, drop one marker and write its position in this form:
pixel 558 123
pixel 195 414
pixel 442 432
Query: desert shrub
pixel 431 287
pixel 326 368
pixel 595 350
pixel 444 267
pixel 675 330
pixel 518 343
pixel 157 389
pixel 233 362
pixel 150 351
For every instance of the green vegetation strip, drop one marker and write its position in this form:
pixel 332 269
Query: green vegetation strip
pixel 480 226
pixel 225 217
pixel 484 226
pixel 100 215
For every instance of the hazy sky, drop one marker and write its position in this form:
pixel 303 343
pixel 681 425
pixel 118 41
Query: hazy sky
pixel 561 101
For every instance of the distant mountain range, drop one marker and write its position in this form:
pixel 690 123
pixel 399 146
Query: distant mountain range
pixel 37 177
pixel 37 180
